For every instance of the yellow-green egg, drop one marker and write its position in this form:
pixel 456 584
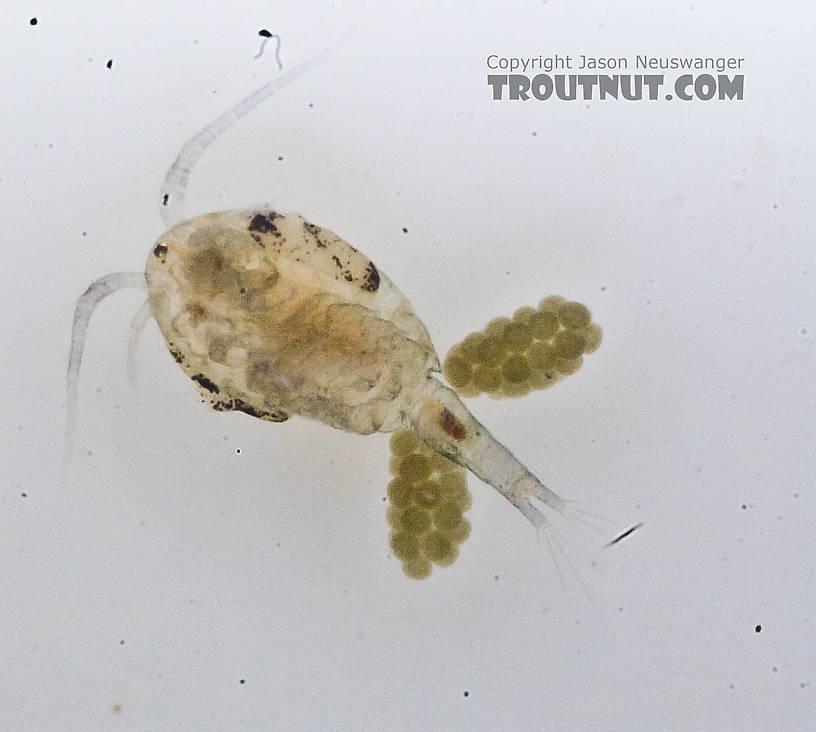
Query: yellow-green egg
pixel 542 356
pixel 447 516
pixel 490 351
pixel 524 314
pixel 439 549
pixel 543 378
pixel 574 315
pixel 404 545
pixel 470 346
pixel 394 464
pixel 440 464
pixel 394 516
pixel 415 520
pixel 568 366
pixel 515 369
pixel 592 335
pixel 517 336
pixel 403 442
pixel 427 494
pixel 544 324
pixel 568 344
pixel 551 303
pixel 460 532
pixel 511 389
pixel 487 379
pixel 400 492
pixel 495 328
pixel 458 495
pixel 457 371
pixel 418 568
pixel 415 467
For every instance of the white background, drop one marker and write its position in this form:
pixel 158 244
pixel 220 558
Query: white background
pixel 139 594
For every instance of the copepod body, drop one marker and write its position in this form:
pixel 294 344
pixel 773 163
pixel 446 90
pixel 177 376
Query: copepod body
pixel 274 316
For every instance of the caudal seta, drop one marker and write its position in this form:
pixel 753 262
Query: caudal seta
pixel 264 223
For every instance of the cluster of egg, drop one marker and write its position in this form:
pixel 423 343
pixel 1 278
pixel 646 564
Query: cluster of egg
pixel 428 497
pixel 532 350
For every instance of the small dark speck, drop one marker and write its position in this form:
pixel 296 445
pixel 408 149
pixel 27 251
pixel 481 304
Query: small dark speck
pixel 278 545
pixel 775 207
pixel 603 288
pixel 730 686
pixel 804 684
pixel 495 578
pixel 242 681
pixel 311 105
pixel 165 199
pixel 33 21
pixel 122 642
pixel 620 609
pixel 774 669
pixel 264 33
pixel 744 506
pixel 535 134
pixel 404 229
pixel 280 157
pixel 466 693
pixel 796 495
pixel 117 708
pixel 84 233
pixel 803 331
pixel 758 629
pixel 237 450
pixel 110 63
pixel 89 453
pixel 24 495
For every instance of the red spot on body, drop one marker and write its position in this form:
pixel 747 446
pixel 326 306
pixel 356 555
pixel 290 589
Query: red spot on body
pixel 451 425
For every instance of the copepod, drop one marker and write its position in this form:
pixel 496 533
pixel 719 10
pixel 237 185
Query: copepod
pixel 275 316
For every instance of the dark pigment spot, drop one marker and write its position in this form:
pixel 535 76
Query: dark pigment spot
pixel 205 383
pixel 315 232
pixel 451 425
pixel 264 33
pixel 165 199
pixel 110 63
pixel 239 405
pixel 265 223
pixel 33 21
pixel 371 278
pixel 758 629
pixel 160 251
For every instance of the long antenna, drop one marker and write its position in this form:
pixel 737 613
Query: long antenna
pixel 171 203
pixel 85 306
